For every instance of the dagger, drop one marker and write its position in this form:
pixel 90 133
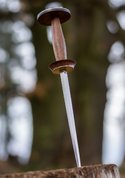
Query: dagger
pixel 54 17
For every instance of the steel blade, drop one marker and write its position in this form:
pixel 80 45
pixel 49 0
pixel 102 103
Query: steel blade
pixel 70 115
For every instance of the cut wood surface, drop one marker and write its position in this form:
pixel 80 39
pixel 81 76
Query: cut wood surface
pixel 95 171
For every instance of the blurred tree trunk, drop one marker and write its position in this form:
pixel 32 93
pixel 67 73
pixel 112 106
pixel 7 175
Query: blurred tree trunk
pixel 88 43
pixel 90 91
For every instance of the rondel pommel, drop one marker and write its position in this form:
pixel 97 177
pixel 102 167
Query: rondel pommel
pixel 54 17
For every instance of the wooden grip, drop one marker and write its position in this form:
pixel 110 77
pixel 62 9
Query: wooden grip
pixel 58 40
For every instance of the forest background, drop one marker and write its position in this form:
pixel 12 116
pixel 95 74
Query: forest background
pixel 34 133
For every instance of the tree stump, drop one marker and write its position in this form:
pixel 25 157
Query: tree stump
pixel 95 171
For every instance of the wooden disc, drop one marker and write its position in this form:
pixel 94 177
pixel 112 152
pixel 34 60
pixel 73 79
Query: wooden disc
pixel 61 65
pixel 45 16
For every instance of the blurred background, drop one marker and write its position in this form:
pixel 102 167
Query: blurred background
pixel 34 133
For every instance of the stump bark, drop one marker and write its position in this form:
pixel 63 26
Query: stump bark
pixel 95 171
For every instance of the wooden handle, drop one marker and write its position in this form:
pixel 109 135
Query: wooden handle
pixel 59 45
